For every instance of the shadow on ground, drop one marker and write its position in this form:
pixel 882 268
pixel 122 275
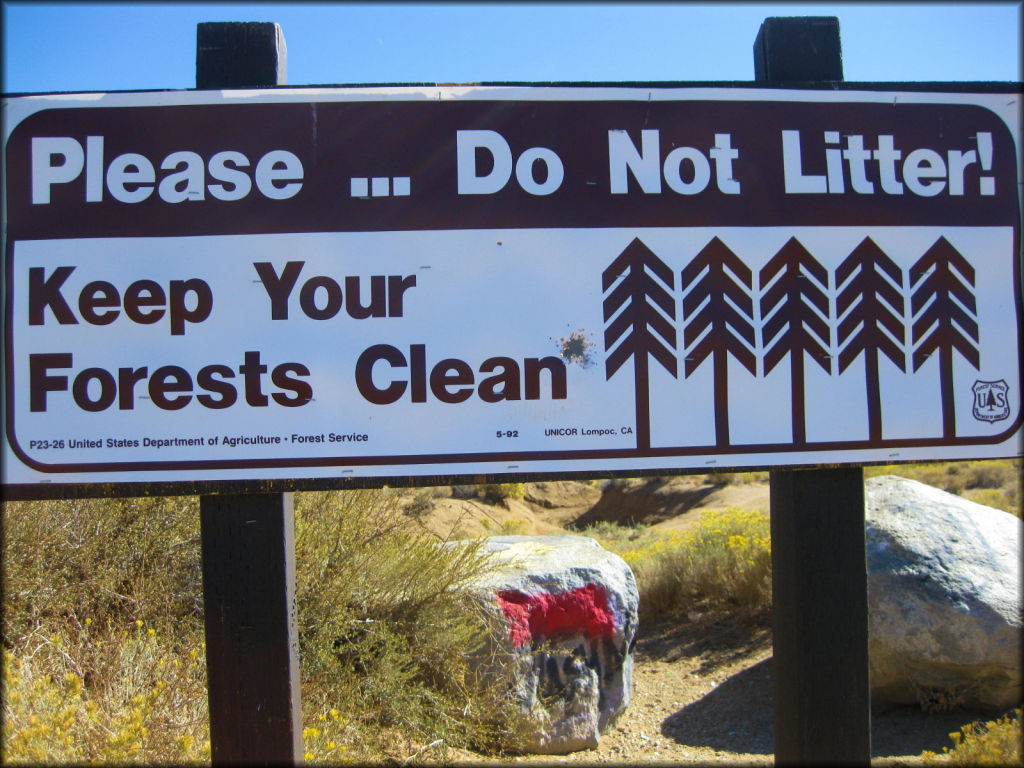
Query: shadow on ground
pixel 718 640
pixel 907 730
pixel 738 716
pixel 652 501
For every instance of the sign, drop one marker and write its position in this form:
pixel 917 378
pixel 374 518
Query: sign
pixel 385 282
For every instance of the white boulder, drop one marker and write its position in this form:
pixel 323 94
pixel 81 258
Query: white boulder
pixel 944 597
pixel 566 609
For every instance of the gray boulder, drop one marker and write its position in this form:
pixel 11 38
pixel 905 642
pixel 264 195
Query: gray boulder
pixel 566 612
pixel 944 597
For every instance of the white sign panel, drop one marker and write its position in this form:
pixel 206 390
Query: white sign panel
pixel 296 284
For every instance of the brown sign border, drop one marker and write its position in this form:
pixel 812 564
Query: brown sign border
pixel 48 489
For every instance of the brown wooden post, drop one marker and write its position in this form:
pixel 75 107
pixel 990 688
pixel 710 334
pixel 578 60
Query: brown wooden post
pixel 248 544
pixel 819 570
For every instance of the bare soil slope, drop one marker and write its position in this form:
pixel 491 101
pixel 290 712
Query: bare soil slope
pixel 554 506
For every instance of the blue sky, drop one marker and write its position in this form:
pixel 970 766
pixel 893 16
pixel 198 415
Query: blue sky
pixel 126 46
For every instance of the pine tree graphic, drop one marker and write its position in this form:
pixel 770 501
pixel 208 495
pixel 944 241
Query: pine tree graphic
pixel 875 305
pixel 942 302
pixel 719 312
pixel 639 329
pixel 791 325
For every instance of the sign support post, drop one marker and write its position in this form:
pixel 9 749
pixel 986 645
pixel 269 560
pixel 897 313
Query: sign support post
pixel 248 543
pixel 819 571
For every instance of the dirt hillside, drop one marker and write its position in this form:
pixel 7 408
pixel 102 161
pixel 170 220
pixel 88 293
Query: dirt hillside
pixel 455 512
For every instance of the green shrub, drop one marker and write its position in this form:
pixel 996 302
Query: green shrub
pixel 616 536
pixel 386 627
pixel 122 559
pixel 103 636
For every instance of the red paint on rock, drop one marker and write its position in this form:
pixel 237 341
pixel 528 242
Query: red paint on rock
pixel 583 610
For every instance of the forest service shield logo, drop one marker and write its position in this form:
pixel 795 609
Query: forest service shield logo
pixel 990 401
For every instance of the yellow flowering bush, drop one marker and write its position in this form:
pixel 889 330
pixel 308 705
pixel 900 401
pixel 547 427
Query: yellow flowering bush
pixel 997 742
pixel 327 740
pixel 138 701
pixel 724 562
pixel 495 493
pixel 102 631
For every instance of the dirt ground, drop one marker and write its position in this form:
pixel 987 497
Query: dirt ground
pixel 702 688
pixel 702 693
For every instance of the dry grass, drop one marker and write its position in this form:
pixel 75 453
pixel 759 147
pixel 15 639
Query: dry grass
pixel 102 632
pixel 387 628
pixel 103 658
pixel 723 564
pixel 994 483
